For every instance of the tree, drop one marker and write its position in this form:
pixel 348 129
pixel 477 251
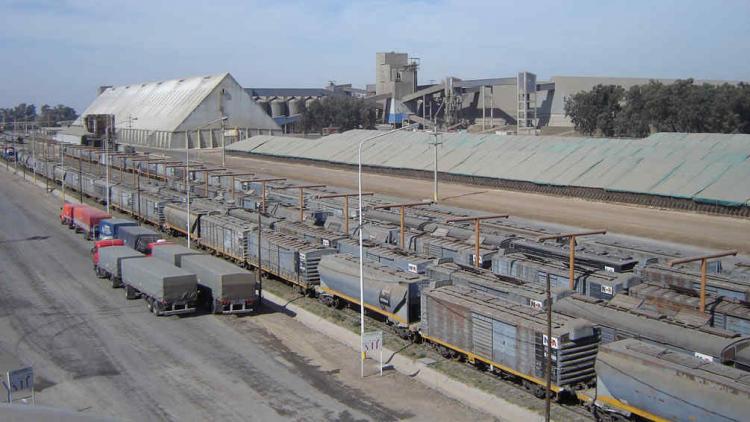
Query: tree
pixel 339 111
pixel 49 116
pixel 681 106
pixel 52 116
pixel 595 111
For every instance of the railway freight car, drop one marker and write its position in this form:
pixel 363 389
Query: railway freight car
pixel 442 247
pixel 659 384
pixel 176 218
pixel 529 294
pixel 388 292
pixel 510 338
pixel 308 233
pixel 390 257
pixel 226 236
pixel 373 231
pixel 597 284
pixel 683 278
pixel 587 257
pixel 288 258
pixel 617 323
pixel 723 313
pixel 167 290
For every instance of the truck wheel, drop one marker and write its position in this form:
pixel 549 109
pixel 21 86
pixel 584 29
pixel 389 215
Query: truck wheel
pixel 129 293
pixel 115 284
pixel 149 306
pixel 155 308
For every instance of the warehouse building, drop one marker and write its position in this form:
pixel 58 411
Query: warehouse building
pixel 175 113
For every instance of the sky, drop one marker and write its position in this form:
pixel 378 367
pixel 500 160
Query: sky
pixel 60 51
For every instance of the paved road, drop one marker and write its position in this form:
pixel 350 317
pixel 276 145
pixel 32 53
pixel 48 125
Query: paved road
pixel 658 224
pixel 95 351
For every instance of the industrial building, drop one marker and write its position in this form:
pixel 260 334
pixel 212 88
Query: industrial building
pixel 178 113
pixel 286 105
pixel 519 103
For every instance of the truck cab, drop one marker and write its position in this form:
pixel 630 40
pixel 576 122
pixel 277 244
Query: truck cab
pixel 103 244
pixel 108 228
pixel 66 213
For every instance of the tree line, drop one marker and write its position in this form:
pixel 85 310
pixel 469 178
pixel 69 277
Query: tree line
pixel 47 116
pixel 341 112
pixel 682 106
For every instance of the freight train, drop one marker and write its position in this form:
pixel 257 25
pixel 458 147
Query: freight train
pixel 492 316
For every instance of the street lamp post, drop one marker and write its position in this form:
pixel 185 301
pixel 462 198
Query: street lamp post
pixel 361 254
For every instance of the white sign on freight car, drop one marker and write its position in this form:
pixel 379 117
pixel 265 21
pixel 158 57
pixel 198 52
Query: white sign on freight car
pixel 372 345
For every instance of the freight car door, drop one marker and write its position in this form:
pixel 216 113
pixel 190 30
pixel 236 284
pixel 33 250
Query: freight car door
pixel 482 335
pixel 504 343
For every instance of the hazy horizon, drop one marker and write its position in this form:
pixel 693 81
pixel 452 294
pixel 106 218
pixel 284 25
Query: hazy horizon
pixel 59 52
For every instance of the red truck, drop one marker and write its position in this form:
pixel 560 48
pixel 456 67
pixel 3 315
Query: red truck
pixel 86 219
pixel 103 244
pixel 66 214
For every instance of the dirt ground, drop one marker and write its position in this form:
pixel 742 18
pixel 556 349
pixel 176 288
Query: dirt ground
pixel 659 224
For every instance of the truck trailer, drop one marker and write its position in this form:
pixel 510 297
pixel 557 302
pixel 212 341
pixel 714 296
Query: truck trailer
pixel 138 237
pixel 223 287
pixel 109 264
pixel 167 290
pixel 86 219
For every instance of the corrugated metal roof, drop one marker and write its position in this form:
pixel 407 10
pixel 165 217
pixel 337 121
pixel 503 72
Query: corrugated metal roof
pixel 705 167
pixel 160 105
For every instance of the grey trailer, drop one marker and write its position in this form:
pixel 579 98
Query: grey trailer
pixel 223 286
pixel 110 262
pixel 138 237
pixel 656 383
pixel 172 254
pixel 167 290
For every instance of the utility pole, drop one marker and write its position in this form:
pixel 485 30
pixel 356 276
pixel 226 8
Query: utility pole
pixel 263 188
pixel 477 240
pixel 548 361
pixel 301 197
pixel 572 237
pixel 435 143
pixel 259 268
pixel 62 174
pixel 80 179
pixel 402 236
pixel 346 197
pixel 704 270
